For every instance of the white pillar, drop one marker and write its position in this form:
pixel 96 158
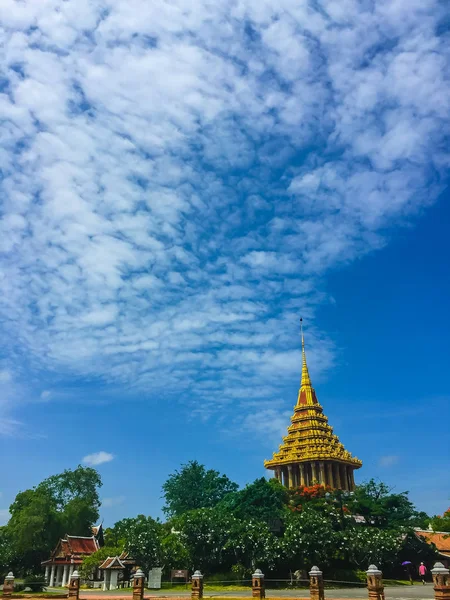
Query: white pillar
pixel 71 570
pixel 65 575
pixel 113 580
pixel 52 577
pixel 47 573
pixel 106 579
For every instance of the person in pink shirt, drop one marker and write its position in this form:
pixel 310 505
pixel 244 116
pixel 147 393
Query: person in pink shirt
pixel 422 572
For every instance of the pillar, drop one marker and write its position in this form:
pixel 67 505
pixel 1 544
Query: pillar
pixel 375 583
pixel 330 481
pixel 52 577
pixel 314 473
pixel 285 477
pixel 47 574
pixel 278 474
pixel 316 589
pixel 74 585
pixel 302 474
pixel 352 478
pixel 337 476
pixel 197 585
pixel 113 579
pixel 441 581
pixel 8 585
pixel 106 579
pixel 65 575
pixel 258 586
pixel 138 585
pixel 322 473
pixel 290 478
pixel 71 571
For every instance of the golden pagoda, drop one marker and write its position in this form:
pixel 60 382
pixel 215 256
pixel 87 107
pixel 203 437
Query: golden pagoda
pixel 311 453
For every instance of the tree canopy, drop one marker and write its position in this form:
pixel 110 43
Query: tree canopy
pixel 63 503
pixel 195 487
pixel 216 527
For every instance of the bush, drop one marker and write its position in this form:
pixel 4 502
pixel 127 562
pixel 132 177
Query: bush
pixel 36 583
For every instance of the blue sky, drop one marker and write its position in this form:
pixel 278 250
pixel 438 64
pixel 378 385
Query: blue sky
pixel 180 183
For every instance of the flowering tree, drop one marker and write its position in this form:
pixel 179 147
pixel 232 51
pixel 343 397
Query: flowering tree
pixel 309 538
pixel 362 546
pixel 143 541
pixel 253 544
pixel 205 533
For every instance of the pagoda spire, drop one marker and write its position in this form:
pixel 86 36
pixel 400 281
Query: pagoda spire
pixel 306 380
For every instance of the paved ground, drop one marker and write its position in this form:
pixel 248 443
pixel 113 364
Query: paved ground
pixel 403 592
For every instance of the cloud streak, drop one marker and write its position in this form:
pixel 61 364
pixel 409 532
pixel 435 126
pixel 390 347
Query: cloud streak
pixel 178 179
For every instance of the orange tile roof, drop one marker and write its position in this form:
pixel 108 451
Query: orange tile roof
pixel 440 539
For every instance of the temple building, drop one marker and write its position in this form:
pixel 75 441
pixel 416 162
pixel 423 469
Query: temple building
pixel 68 556
pixel 311 453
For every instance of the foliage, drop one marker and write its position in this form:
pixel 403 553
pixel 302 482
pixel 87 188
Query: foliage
pixel 40 516
pixel 34 526
pixel 76 497
pixel 217 528
pixel 380 508
pixel 36 583
pixel 362 546
pixel 261 500
pixel 8 558
pixel 195 487
pixel 309 539
pixel 91 563
pixel 175 553
pixel 205 532
pixel 441 523
pixel 253 545
pixel 117 535
pixel 143 541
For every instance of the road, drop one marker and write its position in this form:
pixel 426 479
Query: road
pixel 402 592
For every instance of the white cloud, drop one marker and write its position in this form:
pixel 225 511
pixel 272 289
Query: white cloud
pixel 97 458
pixel 113 501
pixel 388 460
pixel 179 178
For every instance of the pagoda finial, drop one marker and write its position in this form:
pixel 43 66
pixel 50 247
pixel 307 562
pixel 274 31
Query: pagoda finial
pixel 306 380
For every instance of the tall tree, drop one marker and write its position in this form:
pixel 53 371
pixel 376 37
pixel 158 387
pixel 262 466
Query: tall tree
pixel 65 503
pixel 261 500
pixel 34 527
pixel 76 497
pixel 195 487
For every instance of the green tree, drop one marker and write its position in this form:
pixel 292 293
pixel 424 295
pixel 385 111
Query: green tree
pixel 34 527
pixel 261 500
pixel 195 487
pixel 76 496
pixel 383 509
pixel 175 552
pixel 143 541
pixel 309 539
pixel 63 503
pixel 441 523
pixel 91 563
pixel 362 546
pixel 253 545
pixel 205 532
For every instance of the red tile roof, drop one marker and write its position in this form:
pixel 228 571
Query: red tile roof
pixel 82 545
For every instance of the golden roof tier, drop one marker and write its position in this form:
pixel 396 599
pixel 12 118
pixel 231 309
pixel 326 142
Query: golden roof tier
pixel 311 453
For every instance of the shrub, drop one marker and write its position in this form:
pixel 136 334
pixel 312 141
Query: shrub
pixel 36 583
